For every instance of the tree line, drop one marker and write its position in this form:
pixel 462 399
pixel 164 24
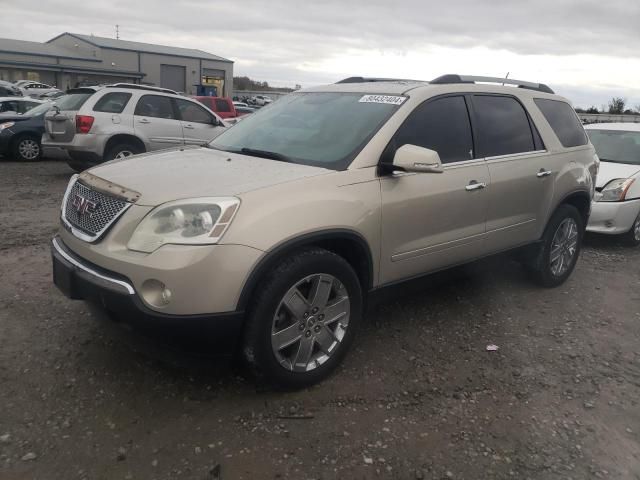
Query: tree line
pixel 617 106
pixel 246 83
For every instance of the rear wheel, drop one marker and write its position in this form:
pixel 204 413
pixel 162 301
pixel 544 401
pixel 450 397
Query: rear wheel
pixel 122 150
pixel 632 237
pixel 303 319
pixel 27 148
pixel 557 254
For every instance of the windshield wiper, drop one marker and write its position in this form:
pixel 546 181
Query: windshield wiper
pixel 265 154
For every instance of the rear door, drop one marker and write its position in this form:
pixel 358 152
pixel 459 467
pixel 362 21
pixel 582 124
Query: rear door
pixel 199 125
pixel 521 178
pixel 434 220
pixel 156 121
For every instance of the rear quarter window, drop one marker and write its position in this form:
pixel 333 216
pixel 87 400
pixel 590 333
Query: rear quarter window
pixel 563 121
pixel 73 101
pixel 112 102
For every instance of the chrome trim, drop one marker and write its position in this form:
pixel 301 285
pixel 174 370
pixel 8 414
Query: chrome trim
pixel 89 270
pixel 515 155
pixel 475 186
pixel 76 231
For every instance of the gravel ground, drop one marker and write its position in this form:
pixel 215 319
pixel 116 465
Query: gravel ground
pixel 418 398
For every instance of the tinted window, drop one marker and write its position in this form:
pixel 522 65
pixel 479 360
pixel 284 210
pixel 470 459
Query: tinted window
pixel 155 106
pixel 113 102
pixel 222 105
pixel 503 126
pixel 73 101
pixel 441 125
pixel 563 121
pixel 192 112
pixel 9 106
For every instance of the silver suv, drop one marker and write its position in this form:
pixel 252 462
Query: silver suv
pixel 274 238
pixel 120 120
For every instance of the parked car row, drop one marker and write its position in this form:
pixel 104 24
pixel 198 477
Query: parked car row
pixel 28 88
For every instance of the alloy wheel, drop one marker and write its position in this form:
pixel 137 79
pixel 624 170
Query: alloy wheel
pixel 564 247
pixel 29 149
pixel 123 154
pixel 310 322
pixel 636 229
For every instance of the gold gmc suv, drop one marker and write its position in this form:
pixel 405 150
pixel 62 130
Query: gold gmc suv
pixel 273 237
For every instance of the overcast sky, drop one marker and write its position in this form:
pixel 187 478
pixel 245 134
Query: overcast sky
pixel 586 50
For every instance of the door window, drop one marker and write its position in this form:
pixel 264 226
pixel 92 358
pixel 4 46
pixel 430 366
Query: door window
pixel 155 106
pixel 9 106
pixel 502 125
pixel 192 112
pixel 441 125
pixel 222 105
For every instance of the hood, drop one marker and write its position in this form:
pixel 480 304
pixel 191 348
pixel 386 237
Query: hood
pixel 611 170
pixel 198 172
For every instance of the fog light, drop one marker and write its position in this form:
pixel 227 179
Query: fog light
pixel 156 293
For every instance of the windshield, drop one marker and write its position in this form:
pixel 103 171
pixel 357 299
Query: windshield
pixel 40 109
pixel 616 146
pixel 323 129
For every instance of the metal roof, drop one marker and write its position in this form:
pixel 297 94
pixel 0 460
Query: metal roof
pixel 104 42
pixel 9 45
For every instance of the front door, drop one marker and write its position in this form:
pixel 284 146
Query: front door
pixel 434 220
pixel 156 121
pixel 522 172
pixel 199 126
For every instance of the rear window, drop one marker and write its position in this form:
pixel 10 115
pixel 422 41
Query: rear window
pixel 563 121
pixel 503 126
pixel 112 102
pixel 73 101
pixel 222 105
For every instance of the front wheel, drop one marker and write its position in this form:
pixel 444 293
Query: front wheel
pixel 557 254
pixel 27 148
pixel 303 319
pixel 632 237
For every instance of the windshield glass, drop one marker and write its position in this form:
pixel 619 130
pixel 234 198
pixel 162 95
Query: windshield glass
pixel 40 109
pixel 72 101
pixel 616 146
pixel 324 129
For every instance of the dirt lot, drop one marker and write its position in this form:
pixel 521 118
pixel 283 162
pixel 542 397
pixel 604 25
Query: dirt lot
pixel 419 397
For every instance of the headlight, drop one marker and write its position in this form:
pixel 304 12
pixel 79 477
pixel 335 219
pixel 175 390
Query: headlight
pixel 6 125
pixel 615 190
pixel 194 221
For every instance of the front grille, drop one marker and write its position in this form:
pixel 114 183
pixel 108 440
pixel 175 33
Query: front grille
pixel 90 213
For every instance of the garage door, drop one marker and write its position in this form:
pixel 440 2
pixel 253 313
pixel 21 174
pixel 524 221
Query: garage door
pixel 173 77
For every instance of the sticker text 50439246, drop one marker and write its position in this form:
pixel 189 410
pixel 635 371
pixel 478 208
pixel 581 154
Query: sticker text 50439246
pixel 391 99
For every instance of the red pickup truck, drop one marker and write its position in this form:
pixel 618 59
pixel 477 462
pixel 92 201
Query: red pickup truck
pixel 223 106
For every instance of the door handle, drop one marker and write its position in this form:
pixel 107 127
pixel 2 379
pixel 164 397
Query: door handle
pixel 189 126
pixel 473 185
pixel 144 120
pixel 543 173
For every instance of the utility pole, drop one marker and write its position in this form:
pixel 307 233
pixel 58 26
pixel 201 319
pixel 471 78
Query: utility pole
pixel 117 32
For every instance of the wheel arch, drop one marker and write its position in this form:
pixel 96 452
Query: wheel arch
pixel 581 200
pixel 348 244
pixel 124 138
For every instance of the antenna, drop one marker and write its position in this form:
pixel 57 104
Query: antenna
pixel 117 32
pixel 506 77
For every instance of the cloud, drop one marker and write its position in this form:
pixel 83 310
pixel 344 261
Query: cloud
pixel 288 41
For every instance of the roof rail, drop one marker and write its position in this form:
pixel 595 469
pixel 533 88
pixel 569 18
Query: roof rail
pixel 137 86
pixel 453 78
pixel 374 79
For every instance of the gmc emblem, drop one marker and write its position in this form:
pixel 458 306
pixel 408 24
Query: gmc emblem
pixel 84 205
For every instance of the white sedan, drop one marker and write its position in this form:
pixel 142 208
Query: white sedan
pixel 11 106
pixel 616 207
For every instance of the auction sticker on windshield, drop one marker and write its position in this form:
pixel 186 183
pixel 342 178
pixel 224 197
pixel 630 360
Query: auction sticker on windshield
pixel 390 99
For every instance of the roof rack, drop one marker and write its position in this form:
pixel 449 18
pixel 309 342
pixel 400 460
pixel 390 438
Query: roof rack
pixel 374 79
pixel 454 78
pixel 137 86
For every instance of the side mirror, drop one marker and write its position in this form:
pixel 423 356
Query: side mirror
pixel 411 158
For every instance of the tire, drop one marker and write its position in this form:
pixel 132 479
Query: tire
pixel 27 148
pixel 632 237
pixel 122 150
pixel 77 166
pixel 278 360
pixel 549 272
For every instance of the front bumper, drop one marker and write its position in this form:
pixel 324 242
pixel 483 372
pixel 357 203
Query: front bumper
pixel 613 218
pixel 5 141
pixel 81 280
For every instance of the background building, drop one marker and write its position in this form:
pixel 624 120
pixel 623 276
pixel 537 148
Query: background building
pixel 72 59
